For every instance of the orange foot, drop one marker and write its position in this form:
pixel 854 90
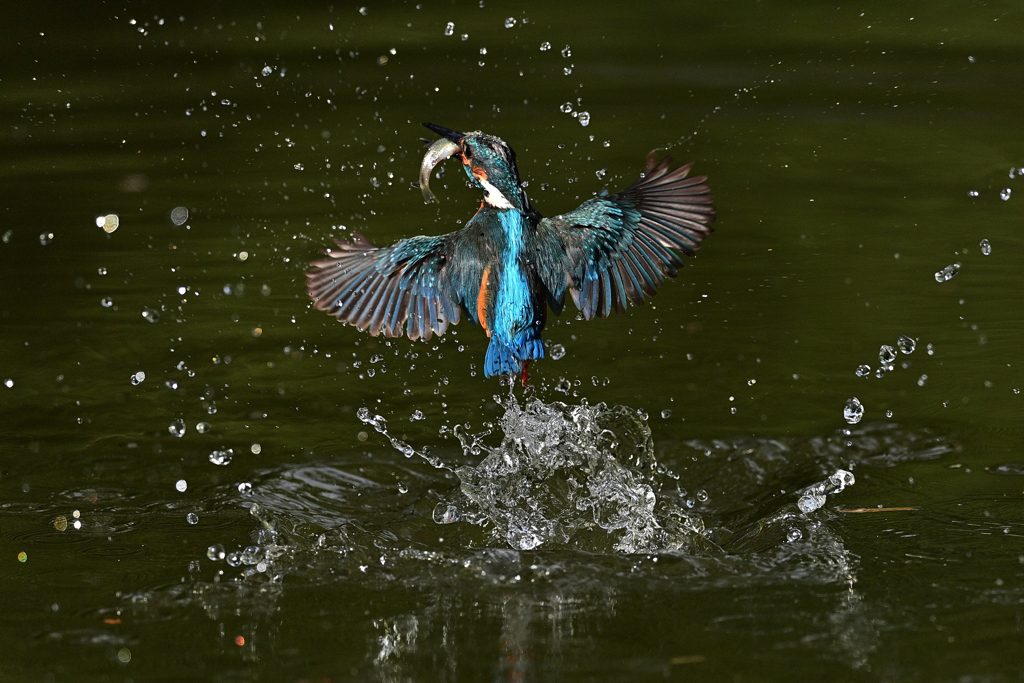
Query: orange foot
pixel 526 372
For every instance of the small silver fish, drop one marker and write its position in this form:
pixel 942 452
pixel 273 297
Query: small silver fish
pixel 436 153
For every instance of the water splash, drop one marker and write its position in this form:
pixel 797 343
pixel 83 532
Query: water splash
pixel 813 497
pixel 571 475
pixel 381 426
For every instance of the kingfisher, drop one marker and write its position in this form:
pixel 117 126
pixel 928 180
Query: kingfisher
pixel 509 264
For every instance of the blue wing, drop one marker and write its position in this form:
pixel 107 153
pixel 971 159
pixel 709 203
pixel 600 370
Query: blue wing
pixel 616 248
pixel 382 290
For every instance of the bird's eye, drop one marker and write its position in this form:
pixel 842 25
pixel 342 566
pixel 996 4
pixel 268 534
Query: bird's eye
pixel 467 153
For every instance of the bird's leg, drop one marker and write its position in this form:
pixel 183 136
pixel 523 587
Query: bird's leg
pixel 526 372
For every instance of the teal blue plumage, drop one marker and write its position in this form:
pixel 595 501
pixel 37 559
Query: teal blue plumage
pixel 509 264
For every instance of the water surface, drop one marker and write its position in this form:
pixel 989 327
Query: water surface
pixel 854 153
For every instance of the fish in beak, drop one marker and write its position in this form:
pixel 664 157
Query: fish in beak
pixel 447 146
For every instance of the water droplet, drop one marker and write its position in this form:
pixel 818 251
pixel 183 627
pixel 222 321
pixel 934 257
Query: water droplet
pixel 234 559
pixel 255 449
pixel 986 247
pixel 7 236
pixel 192 518
pixel 930 349
pixel 853 411
pixel 9 383
pixel 106 302
pixel 403 488
pixel 810 501
pixel 751 382
pixel 416 415
pixel 445 513
pixel 510 22
pixel 151 315
pixel 863 370
pixel 557 352
pixel 886 355
pixel 203 427
pixel 666 414
pixel 566 108
pixel 947 273
pixel 215 552
pixel 921 380
pixel 222 457
pixel 794 535
pixel 45 238
pixel 906 344
pixel 250 555
pixel 449 29
pixel 545 46
pixel 1005 194
pixel 300 167
pixel 181 485
pixel 840 479
pixel 880 373
pixel 888 413
pixel 108 223
pixel 600 173
pixel 138 378
pixel 702 496
pixel 566 52
pixel 245 488
pixel 177 428
pixel 563 386
pixel 584 118
pixel 179 215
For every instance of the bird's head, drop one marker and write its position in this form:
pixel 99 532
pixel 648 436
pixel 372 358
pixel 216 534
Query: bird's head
pixel 488 161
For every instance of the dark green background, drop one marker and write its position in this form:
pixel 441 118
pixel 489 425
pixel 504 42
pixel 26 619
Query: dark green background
pixel 842 142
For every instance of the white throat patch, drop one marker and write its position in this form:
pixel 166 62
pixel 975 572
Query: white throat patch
pixel 493 196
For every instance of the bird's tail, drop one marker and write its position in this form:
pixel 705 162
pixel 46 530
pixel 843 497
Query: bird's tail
pixel 502 359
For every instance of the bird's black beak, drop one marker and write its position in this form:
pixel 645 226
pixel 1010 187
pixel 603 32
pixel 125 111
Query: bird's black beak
pixel 452 135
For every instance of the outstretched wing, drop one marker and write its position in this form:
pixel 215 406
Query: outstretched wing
pixel 616 248
pixel 382 290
